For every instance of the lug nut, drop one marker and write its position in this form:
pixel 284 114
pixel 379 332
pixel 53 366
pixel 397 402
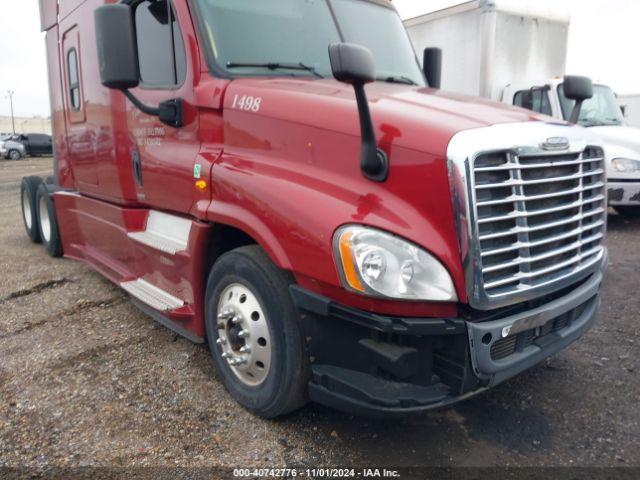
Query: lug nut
pixel 243 333
pixel 245 349
pixel 221 341
pixel 236 320
pixel 226 355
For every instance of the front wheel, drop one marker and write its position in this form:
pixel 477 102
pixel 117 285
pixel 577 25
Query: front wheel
pixel 254 334
pixel 15 155
pixel 628 211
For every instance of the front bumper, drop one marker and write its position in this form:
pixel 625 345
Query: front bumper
pixel 623 193
pixel 375 365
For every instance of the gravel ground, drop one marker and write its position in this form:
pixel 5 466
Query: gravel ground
pixel 88 380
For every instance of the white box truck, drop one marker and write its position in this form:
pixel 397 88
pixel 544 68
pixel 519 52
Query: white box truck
pixel 515 52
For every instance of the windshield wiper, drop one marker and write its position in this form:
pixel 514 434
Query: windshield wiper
pixel 397 79
pixel 276 66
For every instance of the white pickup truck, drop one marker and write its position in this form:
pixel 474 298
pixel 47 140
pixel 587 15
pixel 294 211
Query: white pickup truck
pixel 515 52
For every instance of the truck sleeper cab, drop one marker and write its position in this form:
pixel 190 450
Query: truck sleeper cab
pixel 334 228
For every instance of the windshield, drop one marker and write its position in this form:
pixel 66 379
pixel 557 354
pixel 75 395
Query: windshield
pixel 291 37
pixel 601 109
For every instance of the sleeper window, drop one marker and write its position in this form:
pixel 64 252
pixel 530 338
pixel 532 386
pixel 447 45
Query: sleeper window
pixel 161 52
pixel 74 79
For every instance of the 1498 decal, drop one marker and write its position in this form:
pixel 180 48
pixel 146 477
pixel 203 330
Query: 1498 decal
pixel 247 103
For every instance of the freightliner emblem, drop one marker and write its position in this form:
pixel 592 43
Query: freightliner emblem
pixel 556 143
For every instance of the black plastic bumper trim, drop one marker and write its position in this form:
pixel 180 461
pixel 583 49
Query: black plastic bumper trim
pixel 347 403
pixel 324 307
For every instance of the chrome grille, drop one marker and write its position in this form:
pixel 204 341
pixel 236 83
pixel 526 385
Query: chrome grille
pixel 538 217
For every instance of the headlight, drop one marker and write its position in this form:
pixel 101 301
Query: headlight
pixel 379 264
pixel 626 165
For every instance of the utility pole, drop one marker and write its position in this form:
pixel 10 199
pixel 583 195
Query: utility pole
pixel 13 121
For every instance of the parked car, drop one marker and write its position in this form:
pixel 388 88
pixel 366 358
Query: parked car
pixel 35 143
pixel 10 149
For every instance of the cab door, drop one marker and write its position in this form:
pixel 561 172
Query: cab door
pixel 80 135
pixel 163 157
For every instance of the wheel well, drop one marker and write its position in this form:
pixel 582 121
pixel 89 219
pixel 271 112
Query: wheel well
pixel 223 239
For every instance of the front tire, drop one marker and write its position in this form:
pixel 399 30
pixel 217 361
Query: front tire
pixel 628 211
pixel 254 333
pixel 14 155
pixel 28 192
pixel 47 222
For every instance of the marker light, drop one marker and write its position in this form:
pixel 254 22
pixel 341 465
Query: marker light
pixel 379 264
pixel 201 185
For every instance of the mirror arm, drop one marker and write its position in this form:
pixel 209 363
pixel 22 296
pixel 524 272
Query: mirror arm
pixel 373 161
pixel 575 114
pixel 141 106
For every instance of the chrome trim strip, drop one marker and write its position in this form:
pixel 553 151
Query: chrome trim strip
pixel 523 140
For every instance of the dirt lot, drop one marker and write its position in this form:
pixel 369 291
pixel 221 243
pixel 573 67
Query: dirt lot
pixel 88 380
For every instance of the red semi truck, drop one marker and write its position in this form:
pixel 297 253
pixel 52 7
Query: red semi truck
pixel 283 181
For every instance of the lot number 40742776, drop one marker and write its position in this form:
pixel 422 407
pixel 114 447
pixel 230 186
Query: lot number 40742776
pixel 247 103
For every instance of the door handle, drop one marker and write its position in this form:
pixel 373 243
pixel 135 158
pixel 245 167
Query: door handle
pixel 137 167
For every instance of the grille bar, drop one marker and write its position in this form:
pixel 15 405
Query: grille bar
pixel 563 193
pixel 517 246
pixel 575 218
pixel 515 166
pixel 518 214
pixel 521 276
pixel 517 183
pixel 552 253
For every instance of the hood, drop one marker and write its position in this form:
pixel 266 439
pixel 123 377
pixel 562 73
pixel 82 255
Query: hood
pixel 621 140
pixel 424 119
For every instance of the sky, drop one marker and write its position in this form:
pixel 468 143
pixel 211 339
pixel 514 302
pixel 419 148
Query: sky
pixel 602 40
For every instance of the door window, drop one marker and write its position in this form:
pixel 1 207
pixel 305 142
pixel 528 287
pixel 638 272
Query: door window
pixel 536 99
pixel 161 51
pixel 74 79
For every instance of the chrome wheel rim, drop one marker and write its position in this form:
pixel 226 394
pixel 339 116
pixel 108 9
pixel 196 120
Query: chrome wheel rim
pixel 243 335
pixel 26 210
pixel 45 222
pixel 14 155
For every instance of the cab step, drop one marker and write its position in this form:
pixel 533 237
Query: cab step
pixel 151 295
pixel 164 232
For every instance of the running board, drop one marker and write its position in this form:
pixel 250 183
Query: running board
pixel 151 295
pixel 166 233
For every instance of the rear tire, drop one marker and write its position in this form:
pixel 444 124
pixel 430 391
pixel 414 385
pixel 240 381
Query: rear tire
pixel 47 222
pixel 28 193
pixel 628 211
pixel 247 293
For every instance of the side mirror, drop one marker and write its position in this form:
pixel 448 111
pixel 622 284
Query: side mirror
pixel 117 51
pixel 118 61
pixel 354 65
pixel 578 89
pixel 432 66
